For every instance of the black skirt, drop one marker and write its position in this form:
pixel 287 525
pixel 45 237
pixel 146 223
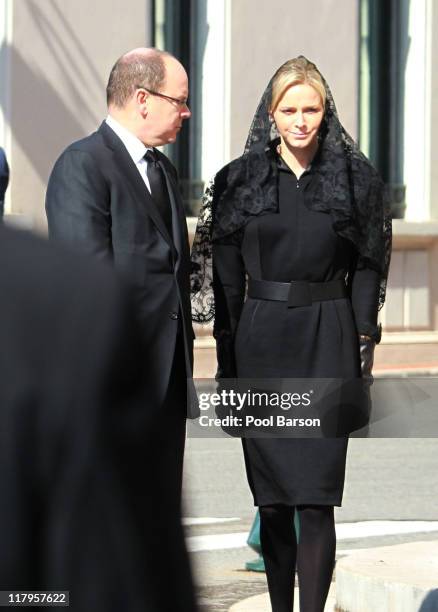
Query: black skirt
pixel 317 341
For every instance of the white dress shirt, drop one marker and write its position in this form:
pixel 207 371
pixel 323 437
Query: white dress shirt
pixel 134 146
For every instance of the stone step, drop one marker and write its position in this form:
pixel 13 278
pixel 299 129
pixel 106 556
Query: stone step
pixel 401 578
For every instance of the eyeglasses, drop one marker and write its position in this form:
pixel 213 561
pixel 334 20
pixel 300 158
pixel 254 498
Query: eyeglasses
pixel 177 101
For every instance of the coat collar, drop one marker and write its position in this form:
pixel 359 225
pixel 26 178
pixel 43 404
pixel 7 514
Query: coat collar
pixel 129 169
pixel 134 145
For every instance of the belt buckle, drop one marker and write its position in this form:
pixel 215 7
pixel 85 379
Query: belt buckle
pixel 299 294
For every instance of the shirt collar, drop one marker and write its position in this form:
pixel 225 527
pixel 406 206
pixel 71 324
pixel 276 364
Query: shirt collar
pixel 282 165
pixel 134 145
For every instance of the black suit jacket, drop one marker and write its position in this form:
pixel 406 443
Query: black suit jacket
pixel 97 202
pixel 85 505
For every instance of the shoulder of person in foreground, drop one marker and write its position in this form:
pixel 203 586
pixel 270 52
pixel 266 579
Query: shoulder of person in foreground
pixel 52 277
pixel 75 423
pixel 3 162
pixel 4 172
pixel 65 321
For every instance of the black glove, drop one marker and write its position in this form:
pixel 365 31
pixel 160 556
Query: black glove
pixel 232 419
pixel 226 363
pixel 366 346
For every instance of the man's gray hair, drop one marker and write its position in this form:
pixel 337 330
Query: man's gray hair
pixel 135 70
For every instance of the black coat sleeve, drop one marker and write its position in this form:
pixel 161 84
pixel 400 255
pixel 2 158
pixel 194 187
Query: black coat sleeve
pixel 229 294
pixel 78 204
pixel 365 285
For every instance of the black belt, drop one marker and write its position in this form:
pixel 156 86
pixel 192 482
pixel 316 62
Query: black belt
pixel 296 293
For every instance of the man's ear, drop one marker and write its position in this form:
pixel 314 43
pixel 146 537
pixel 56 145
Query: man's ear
pixel 141 97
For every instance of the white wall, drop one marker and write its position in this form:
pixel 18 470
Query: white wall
pixel 433 121
pixel 215 86
pixel 5 38
pixel 417 114
pixel 266 34
pixel 61 54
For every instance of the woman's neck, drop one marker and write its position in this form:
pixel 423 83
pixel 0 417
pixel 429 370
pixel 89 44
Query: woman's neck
pixel 298 160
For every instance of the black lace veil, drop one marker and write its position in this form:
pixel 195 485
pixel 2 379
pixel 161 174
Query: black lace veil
pixel 345 185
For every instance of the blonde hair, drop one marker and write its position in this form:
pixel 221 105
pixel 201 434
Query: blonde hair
pixel 296 71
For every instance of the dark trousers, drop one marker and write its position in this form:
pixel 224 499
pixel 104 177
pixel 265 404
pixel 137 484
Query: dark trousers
pixel 173 420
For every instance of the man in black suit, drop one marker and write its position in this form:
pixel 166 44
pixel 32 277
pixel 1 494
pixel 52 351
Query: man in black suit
pixel 113 195
pixel 85 504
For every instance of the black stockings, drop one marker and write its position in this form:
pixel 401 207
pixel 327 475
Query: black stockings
pixel 314 555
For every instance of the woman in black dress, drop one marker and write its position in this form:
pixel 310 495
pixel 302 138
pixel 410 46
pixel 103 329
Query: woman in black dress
pixel 301 204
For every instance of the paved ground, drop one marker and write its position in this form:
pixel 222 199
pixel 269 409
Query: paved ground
pixel 387 479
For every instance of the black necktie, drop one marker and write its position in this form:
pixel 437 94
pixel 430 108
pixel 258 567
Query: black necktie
pixel 159 191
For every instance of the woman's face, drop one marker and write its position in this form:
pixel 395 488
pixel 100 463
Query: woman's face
pixel 298 116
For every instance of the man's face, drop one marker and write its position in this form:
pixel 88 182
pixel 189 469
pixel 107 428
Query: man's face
pixel 164 115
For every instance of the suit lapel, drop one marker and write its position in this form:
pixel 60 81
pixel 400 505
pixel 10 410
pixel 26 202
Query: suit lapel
pixel 128 168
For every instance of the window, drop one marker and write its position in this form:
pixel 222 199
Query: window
pixel 384 48
pixel 174 32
